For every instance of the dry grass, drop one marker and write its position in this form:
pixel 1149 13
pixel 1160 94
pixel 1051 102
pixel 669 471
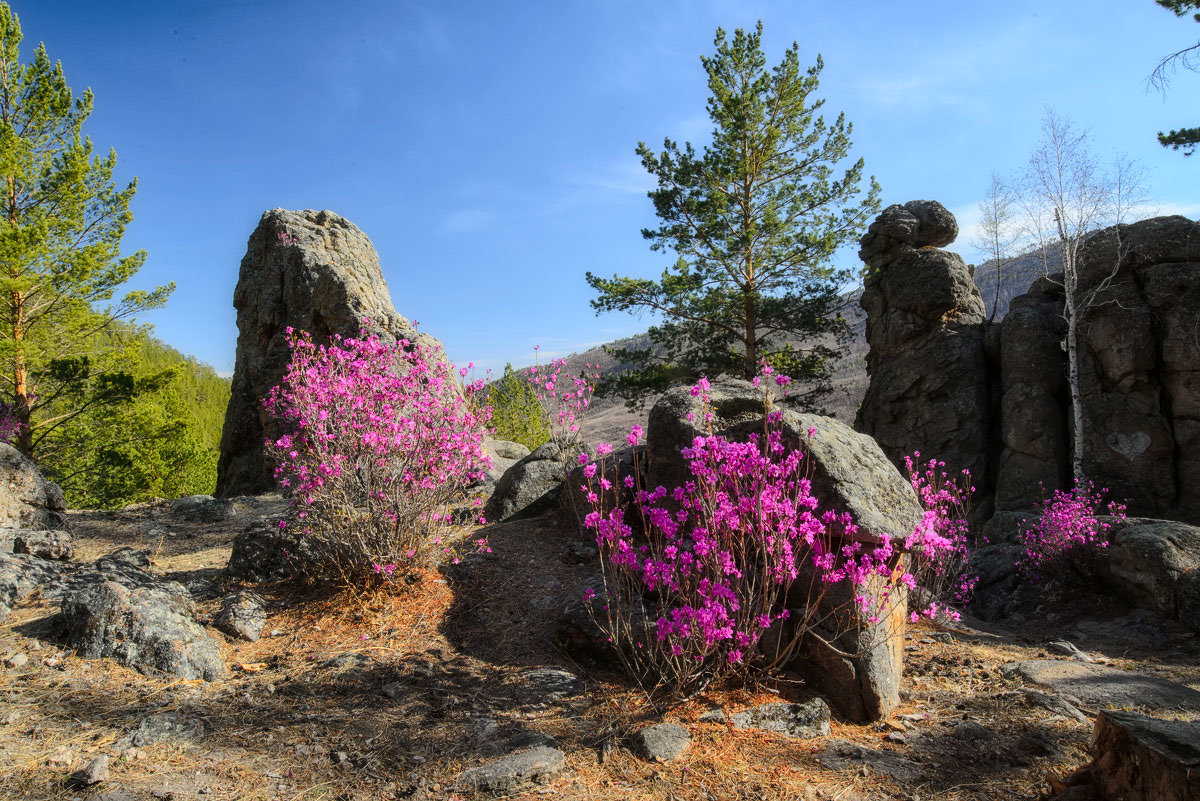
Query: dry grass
pixel 294 722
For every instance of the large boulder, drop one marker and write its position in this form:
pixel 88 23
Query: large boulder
pixel 117 609
pixel 532 485
pixel 503 454
pixel 857 661
pixel 27 499
pixel 929 389
pixel 1149 564
pixel 313 271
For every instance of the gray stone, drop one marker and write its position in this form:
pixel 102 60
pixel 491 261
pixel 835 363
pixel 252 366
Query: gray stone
pixel 531 486
pixel 662 742
pixel 849 474
pixel 512 771
pixel 42 544
pixel 841 755
pixel 1101 687
pixel 849 471
pixel 16 661
pixel 1068 649
pixel 1147 561
pixel 202 509
pixel 160 728
pixel 1056 705
pixel 27 500
pixel 95 772
pixel 260 554
pixel 668 429
pixel 21 575
pixel 504 455
pixel 552 685
pixel 902 228
pixel 313 271
pixel 242 614
pixel 714 715
pixel 929 389
pixel 806 720
pixel 148 627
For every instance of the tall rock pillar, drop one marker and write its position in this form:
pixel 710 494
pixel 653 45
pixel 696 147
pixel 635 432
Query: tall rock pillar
pixel 313 271
pixel 925 328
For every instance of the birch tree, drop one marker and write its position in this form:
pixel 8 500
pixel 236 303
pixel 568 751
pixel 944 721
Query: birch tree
pixel 1067 195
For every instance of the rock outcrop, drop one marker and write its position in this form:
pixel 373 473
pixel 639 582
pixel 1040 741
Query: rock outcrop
pixel 27 499
pixel 118 610
pixel 947 383
pixel 313 271
pixel 532 485
pixel 1155 564
pixel 849 473
pixel 929 389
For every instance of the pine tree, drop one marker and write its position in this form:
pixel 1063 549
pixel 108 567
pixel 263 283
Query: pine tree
pixel 755 221
pixel 1185 139
pixel 61 223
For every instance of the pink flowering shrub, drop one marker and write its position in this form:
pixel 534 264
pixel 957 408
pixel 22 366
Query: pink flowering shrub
pixel 10 424
pixel 695 576
pixel 565 398
pixel 939 549
pixel 1065 542
pixel 381 439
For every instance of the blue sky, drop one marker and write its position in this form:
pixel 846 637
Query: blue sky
pixel 487 148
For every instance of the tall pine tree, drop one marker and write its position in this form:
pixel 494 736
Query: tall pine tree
pixel 61 223
pixel 755 221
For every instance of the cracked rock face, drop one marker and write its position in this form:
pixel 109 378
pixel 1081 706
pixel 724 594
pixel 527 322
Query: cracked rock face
pixel 313 271
pixel 27 499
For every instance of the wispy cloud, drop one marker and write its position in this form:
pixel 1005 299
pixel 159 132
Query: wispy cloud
pixel 936 75
pixel 464 221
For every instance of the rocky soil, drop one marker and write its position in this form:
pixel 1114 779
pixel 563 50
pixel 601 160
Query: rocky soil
pixel 457 688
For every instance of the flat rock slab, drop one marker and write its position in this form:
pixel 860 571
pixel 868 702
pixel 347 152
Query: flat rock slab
pixel 552 685
pixel 1100 687
pixel 662 742
pixel 807 720
pixel 841 755
pixel 512 771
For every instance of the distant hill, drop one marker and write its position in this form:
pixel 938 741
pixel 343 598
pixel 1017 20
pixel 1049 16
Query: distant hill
pixel 609 419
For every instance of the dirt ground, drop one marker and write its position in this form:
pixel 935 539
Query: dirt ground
pixel 392 696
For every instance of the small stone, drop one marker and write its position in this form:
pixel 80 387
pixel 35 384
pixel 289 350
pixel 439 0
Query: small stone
pixel 807 720
pixel 1067 649
pixel 243 614
pixel 662 742
pixel 896 737
pixel 512 771
pixel 91 774
pixel 714 715
pixel 61 758
pixel 393 690
pixel 1056 705
pixel 17 660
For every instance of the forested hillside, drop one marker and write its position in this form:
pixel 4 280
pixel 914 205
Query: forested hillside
pixel 160 441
